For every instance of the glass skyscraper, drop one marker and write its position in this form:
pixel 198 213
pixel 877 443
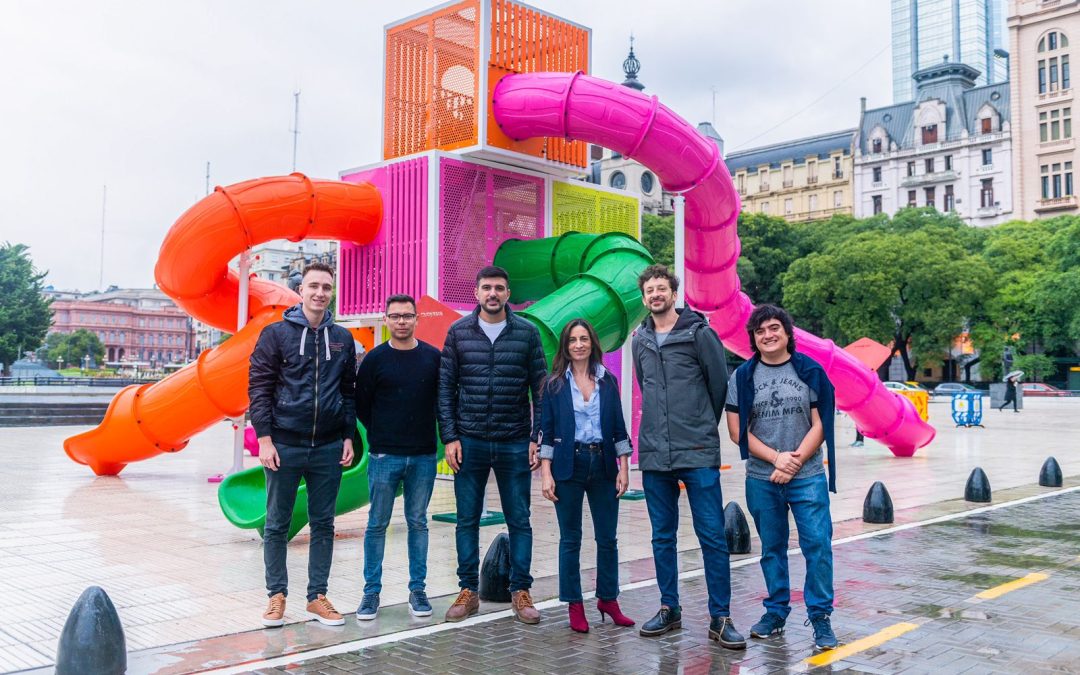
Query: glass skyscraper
pixel 924 32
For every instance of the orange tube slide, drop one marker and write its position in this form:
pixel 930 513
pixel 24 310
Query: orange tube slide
pixel 193 269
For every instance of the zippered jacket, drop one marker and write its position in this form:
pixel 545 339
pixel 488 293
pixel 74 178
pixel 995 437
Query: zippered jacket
pixel 683 386
pixel 484 387
pixel 302 381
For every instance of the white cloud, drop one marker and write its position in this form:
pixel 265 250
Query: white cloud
pixel 140 95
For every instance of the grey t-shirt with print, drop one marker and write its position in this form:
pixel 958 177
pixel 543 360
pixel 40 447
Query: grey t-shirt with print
pixel 781 415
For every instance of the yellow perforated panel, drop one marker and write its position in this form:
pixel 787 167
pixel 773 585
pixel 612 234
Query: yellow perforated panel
pixel 580 208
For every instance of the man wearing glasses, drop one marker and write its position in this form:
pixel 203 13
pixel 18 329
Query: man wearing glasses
pixel 396 394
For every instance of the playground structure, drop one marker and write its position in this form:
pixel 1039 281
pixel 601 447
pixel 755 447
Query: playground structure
pixel 488 110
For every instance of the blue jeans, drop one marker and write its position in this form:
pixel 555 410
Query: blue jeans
pixel 707 510
pixel 808 499
pixel 320 467
pixel 588 479
pixel 510 460
pixel 385 474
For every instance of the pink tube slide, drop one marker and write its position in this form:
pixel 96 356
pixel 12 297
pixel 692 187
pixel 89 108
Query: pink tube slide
pixel 579 107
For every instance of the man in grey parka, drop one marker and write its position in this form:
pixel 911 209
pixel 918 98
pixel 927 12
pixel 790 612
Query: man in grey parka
pixel 682 371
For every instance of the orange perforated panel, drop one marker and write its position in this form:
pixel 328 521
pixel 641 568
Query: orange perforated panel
pixel 524 40
pixel 432 68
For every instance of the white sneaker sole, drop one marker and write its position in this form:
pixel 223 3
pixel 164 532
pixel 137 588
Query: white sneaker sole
pixel 273 623
pixel 325 621
pixel 366 617
pixel 419 613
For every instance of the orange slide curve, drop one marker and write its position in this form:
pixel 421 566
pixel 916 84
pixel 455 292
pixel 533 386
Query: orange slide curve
pixel 193 269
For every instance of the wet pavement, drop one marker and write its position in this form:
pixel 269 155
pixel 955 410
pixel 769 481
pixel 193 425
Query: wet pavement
pixel 993 592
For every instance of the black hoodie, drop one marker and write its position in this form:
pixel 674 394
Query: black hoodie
pixel 302 380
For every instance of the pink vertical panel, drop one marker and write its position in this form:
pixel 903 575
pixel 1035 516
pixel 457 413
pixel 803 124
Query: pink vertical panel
pixel 480 207
pixel 395 262
pixel 635 416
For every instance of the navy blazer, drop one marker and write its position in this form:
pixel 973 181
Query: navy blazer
pixel 557 424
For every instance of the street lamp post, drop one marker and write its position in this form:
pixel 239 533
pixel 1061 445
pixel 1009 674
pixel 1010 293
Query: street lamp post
pixel 59 363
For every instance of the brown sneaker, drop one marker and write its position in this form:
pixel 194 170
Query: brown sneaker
pixel 523 608
pixel 321 610
pixel 467 604
pixel 275 614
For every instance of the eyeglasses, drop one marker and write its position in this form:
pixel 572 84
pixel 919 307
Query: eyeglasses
pixel 399 318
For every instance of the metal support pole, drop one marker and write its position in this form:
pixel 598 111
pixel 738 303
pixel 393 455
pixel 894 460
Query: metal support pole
pixel 680 246
pixel 241 321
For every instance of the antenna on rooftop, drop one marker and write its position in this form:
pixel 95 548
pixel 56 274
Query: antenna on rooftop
pixel 101 262
pixel 296 125
pixel 207 178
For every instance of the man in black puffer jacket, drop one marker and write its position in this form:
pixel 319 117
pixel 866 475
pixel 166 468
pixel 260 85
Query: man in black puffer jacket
pixel 301 382
pixel 491 361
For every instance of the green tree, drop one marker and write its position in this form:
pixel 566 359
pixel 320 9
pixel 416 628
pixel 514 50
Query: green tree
pixel 769 246
pixel 74 347
pixel 658 236
pixel 1035 366
pixel 24 313
pixel 913 287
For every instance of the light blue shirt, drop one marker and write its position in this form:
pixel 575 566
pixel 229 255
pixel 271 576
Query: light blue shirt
pixel 586 413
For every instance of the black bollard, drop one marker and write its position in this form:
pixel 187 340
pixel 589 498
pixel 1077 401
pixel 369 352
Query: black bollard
pixel 92 642
pixel 978 486
pixel 495 572
pixel 736 529
pixel 877 507
pixel 1050 474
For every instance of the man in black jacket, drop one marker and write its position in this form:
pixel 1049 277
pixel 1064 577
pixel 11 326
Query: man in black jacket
pixel 303 372
pixel 491 361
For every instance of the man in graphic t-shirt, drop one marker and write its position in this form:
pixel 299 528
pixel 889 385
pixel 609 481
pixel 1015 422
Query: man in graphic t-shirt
pixel 780 410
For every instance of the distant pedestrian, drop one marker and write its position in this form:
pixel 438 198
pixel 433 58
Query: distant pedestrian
pixel 780 409
pixel 301 387
pixel 584 451
pixel 1010 393
pixel 397 388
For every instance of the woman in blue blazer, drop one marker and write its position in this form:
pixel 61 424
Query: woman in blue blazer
pixel 584 451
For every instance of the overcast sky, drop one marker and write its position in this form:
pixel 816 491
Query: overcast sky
pixel 138 96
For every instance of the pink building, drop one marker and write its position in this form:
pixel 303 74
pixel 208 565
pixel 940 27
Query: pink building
pixel 134 325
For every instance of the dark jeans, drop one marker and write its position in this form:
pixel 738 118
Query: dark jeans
pixel 320 467
pixel 588 479
pixel 385 473
pixel 707 511
pixel 1009 398
pixel 808 499
pixel 510 460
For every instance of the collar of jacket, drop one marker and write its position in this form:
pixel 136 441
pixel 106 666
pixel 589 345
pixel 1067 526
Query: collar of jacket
pixel 509 316
pixel 683 331
pixel 295 314
pixel 810 372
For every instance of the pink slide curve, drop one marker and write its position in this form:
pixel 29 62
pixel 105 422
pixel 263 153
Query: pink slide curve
pixel 580 107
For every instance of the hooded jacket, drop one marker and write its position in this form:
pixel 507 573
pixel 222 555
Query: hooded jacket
pixel 683 385
pixel 484 387
pixel 302 380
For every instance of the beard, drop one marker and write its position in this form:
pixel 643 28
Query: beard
pixel 663 309
pixel 487 309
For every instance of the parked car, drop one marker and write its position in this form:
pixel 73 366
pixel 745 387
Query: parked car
pixel 950 388
pixel 1042 389
pixel 902 386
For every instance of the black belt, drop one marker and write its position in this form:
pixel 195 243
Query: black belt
pixel 588 447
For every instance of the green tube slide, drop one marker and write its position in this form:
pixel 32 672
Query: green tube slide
pixel 242 495
pixel 589 276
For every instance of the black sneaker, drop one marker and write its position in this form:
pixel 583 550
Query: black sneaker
pixel 369 607
pixel 418 604
pixel 667 619
pixel 824 638
pixel 770 624
pixel 722 629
